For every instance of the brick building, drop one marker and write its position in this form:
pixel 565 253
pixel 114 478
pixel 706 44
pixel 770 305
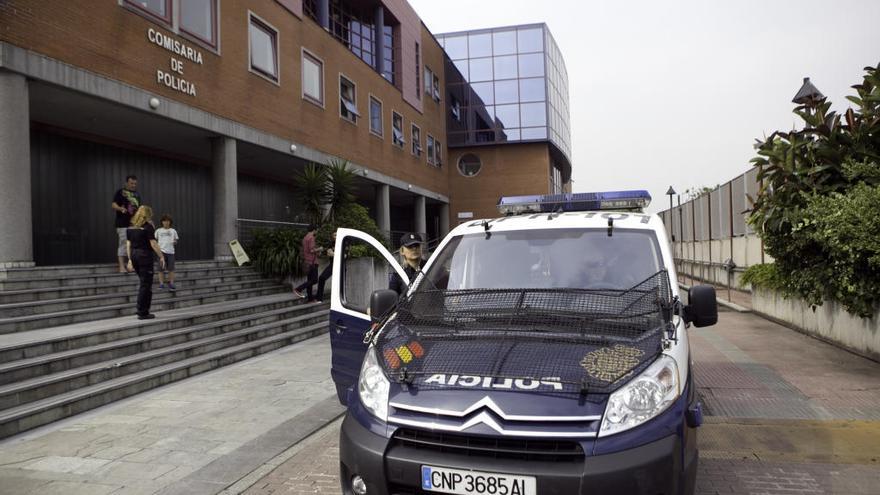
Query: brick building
pixel 216 104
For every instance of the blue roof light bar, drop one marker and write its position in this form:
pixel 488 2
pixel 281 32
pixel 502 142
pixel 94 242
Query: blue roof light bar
pixel 593 201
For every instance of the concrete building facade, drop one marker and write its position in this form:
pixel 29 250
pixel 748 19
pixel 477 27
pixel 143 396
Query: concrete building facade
pixel 216 104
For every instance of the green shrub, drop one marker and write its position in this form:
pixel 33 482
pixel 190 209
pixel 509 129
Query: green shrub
pixel 276 252
pixel 845 227
pixel 817 208
pixel 764 276
pixel 351 216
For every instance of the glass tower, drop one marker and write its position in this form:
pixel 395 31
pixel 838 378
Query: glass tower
pixel 506 84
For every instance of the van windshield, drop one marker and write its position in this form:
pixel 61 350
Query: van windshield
pixel 546 259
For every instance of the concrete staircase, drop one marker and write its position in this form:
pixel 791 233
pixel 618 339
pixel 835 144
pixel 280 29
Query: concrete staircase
pixel 69 340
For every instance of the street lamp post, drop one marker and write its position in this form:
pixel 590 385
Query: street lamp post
pixel 671 192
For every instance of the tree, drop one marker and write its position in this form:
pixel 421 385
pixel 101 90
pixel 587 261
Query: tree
pixel 824 171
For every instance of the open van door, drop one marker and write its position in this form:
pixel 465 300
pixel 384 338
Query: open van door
pixel 361 264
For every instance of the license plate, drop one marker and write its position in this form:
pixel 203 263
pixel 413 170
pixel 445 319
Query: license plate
pixel 460 482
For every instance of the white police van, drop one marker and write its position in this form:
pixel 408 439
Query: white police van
pixel 542 352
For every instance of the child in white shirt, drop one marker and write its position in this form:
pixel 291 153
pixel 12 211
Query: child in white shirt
pixel 167 238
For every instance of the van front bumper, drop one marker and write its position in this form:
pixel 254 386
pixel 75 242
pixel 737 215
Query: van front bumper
pixel 663 466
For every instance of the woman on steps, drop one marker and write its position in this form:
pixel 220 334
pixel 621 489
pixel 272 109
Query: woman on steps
pixel 140 245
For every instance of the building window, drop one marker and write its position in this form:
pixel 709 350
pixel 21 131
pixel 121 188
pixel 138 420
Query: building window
pixel 158 8
pixel 199 18
pixel 455 108
pixel 397 130
pixel 436 92
pixel 437 160
pixel 430 146
pixel 388 40
pixel 429 76
pixel 418 73
pixel 376 116
pixel 348 100
pixel 264 48
pixel 312 78
pixel 469 165
pixel 416 140
pixel 351 23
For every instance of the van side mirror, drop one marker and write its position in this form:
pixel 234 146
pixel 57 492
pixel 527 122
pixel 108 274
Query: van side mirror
pixel 381 302
pixel 702 308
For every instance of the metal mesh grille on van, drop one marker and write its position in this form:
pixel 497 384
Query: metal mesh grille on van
pixel 559 340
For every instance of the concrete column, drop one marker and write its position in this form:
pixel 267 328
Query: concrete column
pixel 225 192
pixel 383 208
pixel 379 36
pixel 444 219
pixel 16 227
pixel 324 13
pixel 419 215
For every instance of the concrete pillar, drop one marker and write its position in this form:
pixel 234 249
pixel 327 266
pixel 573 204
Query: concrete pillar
pixel 383 208
pixel 225 191
pixel 444 219
pixel 419 215
pixel 324 13
pixel 16 227
pixel 379 36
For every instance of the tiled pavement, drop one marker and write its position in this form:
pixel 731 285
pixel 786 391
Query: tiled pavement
pixel 790 415
pixel 195 436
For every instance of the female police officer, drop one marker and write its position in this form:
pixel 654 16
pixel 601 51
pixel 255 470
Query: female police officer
pixel 411 254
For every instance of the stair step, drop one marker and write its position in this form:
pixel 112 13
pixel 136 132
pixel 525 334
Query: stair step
pixel 31 322
pixel 35 343
pixel 46 364
pixel 128 296
pixel 31 415
pixel 41 387
pixel 111 278
pixel 57 271
pixel 62 292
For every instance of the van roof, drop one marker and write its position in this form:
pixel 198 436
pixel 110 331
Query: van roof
pixel 566 220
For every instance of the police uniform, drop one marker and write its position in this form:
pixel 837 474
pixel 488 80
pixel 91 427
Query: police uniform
pixel 394 281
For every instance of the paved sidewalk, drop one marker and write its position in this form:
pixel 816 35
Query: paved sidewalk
pixel 195 436
pixel 788 414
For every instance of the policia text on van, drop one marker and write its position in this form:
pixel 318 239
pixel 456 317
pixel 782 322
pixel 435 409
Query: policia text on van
pixel 544 352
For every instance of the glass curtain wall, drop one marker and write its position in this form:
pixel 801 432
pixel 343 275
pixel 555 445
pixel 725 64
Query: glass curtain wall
pixel 506 85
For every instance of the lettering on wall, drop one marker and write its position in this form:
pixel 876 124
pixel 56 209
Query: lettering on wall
pixel 173 75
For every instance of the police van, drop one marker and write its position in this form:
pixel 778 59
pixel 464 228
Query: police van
pixel 542 352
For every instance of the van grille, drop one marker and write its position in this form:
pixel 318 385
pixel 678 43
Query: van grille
pixel 490 447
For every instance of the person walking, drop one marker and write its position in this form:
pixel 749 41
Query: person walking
pixel 167 237
pixel 310 259
pixel 125 203
pixel 327 272
pixel 140 246
pixel 411 255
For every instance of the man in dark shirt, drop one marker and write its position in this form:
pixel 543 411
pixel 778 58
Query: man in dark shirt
pixel 411 252
pixel 125 202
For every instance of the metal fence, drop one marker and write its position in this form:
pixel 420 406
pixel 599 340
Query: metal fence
pixel 247 226
pixel 720 214
pixel 711 238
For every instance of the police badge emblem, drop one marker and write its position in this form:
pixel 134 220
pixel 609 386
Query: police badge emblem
pixel 610 364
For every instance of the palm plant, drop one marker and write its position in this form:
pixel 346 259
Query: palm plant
pixel 341 185
pixel 312 191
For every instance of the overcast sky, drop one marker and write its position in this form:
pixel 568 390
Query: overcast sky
pixel 673 92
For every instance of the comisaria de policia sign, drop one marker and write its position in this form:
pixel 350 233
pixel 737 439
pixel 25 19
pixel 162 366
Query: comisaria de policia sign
pixel 173 76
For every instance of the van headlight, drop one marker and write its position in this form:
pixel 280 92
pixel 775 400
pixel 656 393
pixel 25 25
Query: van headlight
pixel 643 398
pixel 373 386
